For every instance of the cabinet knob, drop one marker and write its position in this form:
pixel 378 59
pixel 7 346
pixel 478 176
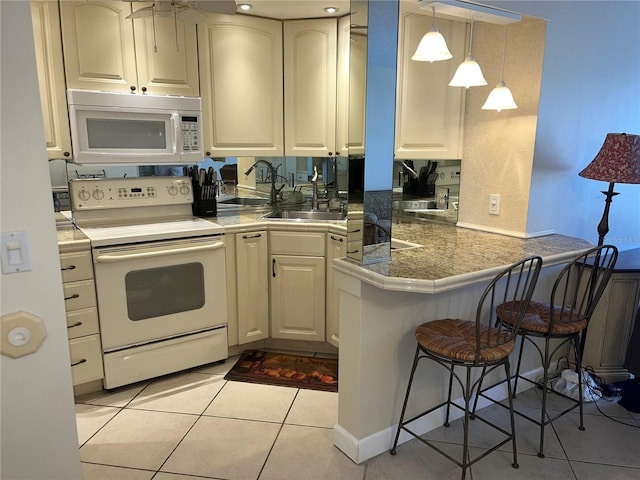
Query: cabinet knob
pixel 330 154
pixel 207 154
pixel 133 88
pixel 66 154
pixel 144 89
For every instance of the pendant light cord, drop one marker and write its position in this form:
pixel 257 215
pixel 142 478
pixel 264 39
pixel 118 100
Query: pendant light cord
pixel 471 38
pixel 433 22
pixel 504 53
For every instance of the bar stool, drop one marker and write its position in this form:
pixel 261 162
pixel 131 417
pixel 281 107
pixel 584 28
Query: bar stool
pixel 480 343
pixel 575 295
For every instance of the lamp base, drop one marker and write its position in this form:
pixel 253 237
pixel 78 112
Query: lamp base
pixel 603 226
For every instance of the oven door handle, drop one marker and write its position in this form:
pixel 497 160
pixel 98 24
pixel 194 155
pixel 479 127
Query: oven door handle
pixel 108 258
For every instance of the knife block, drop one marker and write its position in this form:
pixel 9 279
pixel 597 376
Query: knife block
pixel 205 208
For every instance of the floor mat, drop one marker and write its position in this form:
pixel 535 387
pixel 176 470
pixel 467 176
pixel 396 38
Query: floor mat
pixel 272 368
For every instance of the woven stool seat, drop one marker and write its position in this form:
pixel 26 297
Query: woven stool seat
pixel 537 318
pixel 456 339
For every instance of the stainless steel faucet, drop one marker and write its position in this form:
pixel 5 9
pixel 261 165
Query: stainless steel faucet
pixel 273 193
pixel 314 183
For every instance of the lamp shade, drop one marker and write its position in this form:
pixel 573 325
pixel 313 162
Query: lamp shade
pixel 432 48
pixel 500 98
pixel 618 160
pixel 468 74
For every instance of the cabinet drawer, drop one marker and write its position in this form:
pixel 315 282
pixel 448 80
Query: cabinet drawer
pixel 80 294
pixel 86 359
pixel 76 266
pixel 83 322
pixel 297 243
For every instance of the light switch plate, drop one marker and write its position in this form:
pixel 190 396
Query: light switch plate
pixel 16 256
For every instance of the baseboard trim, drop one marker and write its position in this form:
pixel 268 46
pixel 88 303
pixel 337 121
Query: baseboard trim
pixel 368 447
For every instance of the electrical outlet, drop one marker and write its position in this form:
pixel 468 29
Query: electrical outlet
pixel 494 204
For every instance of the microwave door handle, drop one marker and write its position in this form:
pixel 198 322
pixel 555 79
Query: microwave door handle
pixel 175 123
pixel 108 258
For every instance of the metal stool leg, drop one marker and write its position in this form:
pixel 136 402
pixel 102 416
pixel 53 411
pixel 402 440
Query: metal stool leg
pixel 515 381
pixel 545 386
pixel 406 399
pixel 446 421
pixel 580 384
pixel 511 414
pixel 465 441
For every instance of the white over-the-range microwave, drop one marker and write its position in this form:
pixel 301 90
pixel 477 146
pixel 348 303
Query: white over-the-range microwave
pixel 122 128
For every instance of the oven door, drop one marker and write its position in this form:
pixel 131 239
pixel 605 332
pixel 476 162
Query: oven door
pixel 158 290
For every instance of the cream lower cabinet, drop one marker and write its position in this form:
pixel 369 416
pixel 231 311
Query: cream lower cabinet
pixel 241 83
pixel 310 57
pixel 252 280
pixel 50 65
pixel 103 50
pixel 297 285
pixel 429 113
pixel 336 248
pixel 82 315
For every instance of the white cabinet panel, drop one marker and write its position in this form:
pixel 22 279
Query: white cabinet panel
pixel 241 83
pixel 336 248
pixel 252 270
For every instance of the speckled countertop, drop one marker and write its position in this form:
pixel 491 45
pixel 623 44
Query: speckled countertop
pixel 448 257
pixel 70 238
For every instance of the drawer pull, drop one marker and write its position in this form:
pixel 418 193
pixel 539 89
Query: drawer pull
pixel 357 230
pixel 84 360
pixel 353 251
pixel 70 267
pixel 337 239
pixel 246 237
pixel 77 324
pixel 75 295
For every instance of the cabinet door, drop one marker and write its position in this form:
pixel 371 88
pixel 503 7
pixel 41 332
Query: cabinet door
pixel 310 87
pixel 336 248
pixel 166 58
pixel 429 113
pixel 342 87
pixel 241 85
pixel 253 286
pixel 357 93
pixel 49 62
pixel 298 297
pixel 98 45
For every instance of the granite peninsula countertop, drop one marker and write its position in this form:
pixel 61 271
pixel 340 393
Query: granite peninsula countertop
pixel 449 256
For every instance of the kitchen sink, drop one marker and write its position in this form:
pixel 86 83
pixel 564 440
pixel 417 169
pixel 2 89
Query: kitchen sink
pixel 307 215
pixel 245 201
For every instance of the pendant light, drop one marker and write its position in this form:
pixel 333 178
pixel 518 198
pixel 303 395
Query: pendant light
pixel 468 73
pixel 500 97
pixel 432 47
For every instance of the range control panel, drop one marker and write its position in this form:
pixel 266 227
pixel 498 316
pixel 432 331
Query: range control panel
pixel 102 193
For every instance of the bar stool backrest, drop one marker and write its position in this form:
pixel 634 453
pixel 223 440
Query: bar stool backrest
pixel 514 284
pixel 580 285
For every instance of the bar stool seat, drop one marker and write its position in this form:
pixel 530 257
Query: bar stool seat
pixel 537 318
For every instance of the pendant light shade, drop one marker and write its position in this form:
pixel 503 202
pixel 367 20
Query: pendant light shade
pixel 500 97
pixel 468 73
pixel 432 47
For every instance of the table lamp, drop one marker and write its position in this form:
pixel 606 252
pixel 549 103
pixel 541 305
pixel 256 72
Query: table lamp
pixel 617 161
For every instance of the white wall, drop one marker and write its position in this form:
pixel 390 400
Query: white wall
pixel 590 87
pixel 39 439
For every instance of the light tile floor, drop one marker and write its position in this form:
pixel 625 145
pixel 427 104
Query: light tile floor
pixel 196 425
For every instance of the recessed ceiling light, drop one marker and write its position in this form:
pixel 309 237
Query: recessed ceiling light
pixel 330 9
pixel 245 6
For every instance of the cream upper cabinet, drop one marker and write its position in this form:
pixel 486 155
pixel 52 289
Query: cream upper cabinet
pixel 252 270
pixel 49 62
pixel 241 86
pixel 429 113
pixel 336 248
pixel 310 87
pixel 342 87
pixel 106 51
pixel 357 92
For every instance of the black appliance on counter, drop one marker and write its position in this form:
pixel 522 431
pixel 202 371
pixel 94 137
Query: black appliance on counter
pixel 425 184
